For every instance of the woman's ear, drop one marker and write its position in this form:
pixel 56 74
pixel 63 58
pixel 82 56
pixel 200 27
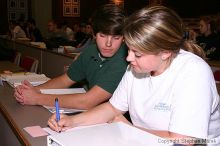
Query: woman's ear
pixel 165 55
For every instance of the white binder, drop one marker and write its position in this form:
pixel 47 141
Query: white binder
pixel 114 134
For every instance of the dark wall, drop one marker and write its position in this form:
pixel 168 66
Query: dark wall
pixel 133 5
pixel 194 8
pixel 3 17
pixel 185 8
pixel 87 7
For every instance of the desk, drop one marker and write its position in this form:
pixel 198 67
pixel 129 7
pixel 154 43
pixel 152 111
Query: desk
pixel 14 117
pixel 51 63
pixel 214 63
pixel 7 65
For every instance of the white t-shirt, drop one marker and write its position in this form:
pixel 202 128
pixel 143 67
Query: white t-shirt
pixel 69 33
pixel 18 32
pixel 182 100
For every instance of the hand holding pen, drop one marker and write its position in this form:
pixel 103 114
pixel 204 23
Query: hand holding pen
pixel 59 122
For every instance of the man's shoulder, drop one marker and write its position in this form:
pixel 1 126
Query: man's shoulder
pixel 122 52
pixel 90 50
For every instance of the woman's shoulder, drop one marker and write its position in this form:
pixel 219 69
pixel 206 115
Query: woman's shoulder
pixel 189 60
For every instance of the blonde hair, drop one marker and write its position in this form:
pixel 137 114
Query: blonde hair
pixel 156 29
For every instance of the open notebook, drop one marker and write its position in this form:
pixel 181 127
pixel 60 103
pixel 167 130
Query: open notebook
pixel 15 79
pixel 63 91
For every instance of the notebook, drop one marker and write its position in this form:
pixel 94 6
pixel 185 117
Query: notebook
pixel 113 134
pixel 63 91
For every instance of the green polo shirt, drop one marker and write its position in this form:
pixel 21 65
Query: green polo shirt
pixel 104 73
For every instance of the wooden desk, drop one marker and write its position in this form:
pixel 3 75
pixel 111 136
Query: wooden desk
pixel 51 63
pixel 14 117
pixel 214 63
pixel 7 65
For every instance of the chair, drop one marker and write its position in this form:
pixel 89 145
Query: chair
pixel 217 75
pixel 17 58
pixel 29 63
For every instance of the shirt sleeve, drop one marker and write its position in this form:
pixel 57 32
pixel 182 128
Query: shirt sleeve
pixel 76 69
pixel 120 98
pixel 193 98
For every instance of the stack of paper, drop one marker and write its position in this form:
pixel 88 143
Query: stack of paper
pixel 63 91
pixel 15 79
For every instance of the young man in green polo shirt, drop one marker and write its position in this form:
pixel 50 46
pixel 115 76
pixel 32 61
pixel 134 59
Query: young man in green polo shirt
pixel 102 64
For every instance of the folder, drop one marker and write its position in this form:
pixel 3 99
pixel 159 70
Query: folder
pixel 114 134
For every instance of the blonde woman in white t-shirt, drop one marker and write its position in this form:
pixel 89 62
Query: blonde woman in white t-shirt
pixel 167 89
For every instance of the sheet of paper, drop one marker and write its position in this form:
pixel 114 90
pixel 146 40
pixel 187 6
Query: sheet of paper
pixel 52 109
pixel 35 131
pixel 52 132
pixel 63 91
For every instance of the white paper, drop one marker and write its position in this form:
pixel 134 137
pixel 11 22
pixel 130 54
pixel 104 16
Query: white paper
pixel 113 134
pixel 63 91
pixel 35 79
pixel 52 109
pixel 52 132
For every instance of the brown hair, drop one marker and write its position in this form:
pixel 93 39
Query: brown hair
pixel 156 29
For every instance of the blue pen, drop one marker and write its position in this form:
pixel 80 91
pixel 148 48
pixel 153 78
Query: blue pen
pixel 57 110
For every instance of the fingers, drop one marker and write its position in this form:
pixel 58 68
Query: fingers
pixel 18 89
pixel 26 84
pixel 18 95
pixel 53 124
pixel 62 125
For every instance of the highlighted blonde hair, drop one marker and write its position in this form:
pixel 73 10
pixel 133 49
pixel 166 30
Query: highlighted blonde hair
pixel 157 29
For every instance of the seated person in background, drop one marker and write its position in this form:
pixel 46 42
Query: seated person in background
pixel 209 40
pixel 193 33
pixel 102 65
pixel 168 91
pixel 56 36
pixel 33 32
pixel 76 29
pixel 80 34
pixel 16 30
pixel 67 30
pixel 89 38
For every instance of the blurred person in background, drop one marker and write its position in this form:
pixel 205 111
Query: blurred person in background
pixel 33 32
pixel 209 39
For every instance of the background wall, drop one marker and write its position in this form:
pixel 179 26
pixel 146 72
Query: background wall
pixel 42 12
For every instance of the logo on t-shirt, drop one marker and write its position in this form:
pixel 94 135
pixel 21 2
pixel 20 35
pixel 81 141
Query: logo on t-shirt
pixel 164 107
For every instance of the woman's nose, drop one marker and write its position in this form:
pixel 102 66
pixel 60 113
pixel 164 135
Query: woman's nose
pixel 130 57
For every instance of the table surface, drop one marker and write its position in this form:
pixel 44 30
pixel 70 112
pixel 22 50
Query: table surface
pixel 19 117
pixel 214 63
pixel 7 65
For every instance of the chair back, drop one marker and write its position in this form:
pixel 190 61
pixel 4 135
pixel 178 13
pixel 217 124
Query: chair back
pixel 29 63
pixel 17 58
pixel 217 75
